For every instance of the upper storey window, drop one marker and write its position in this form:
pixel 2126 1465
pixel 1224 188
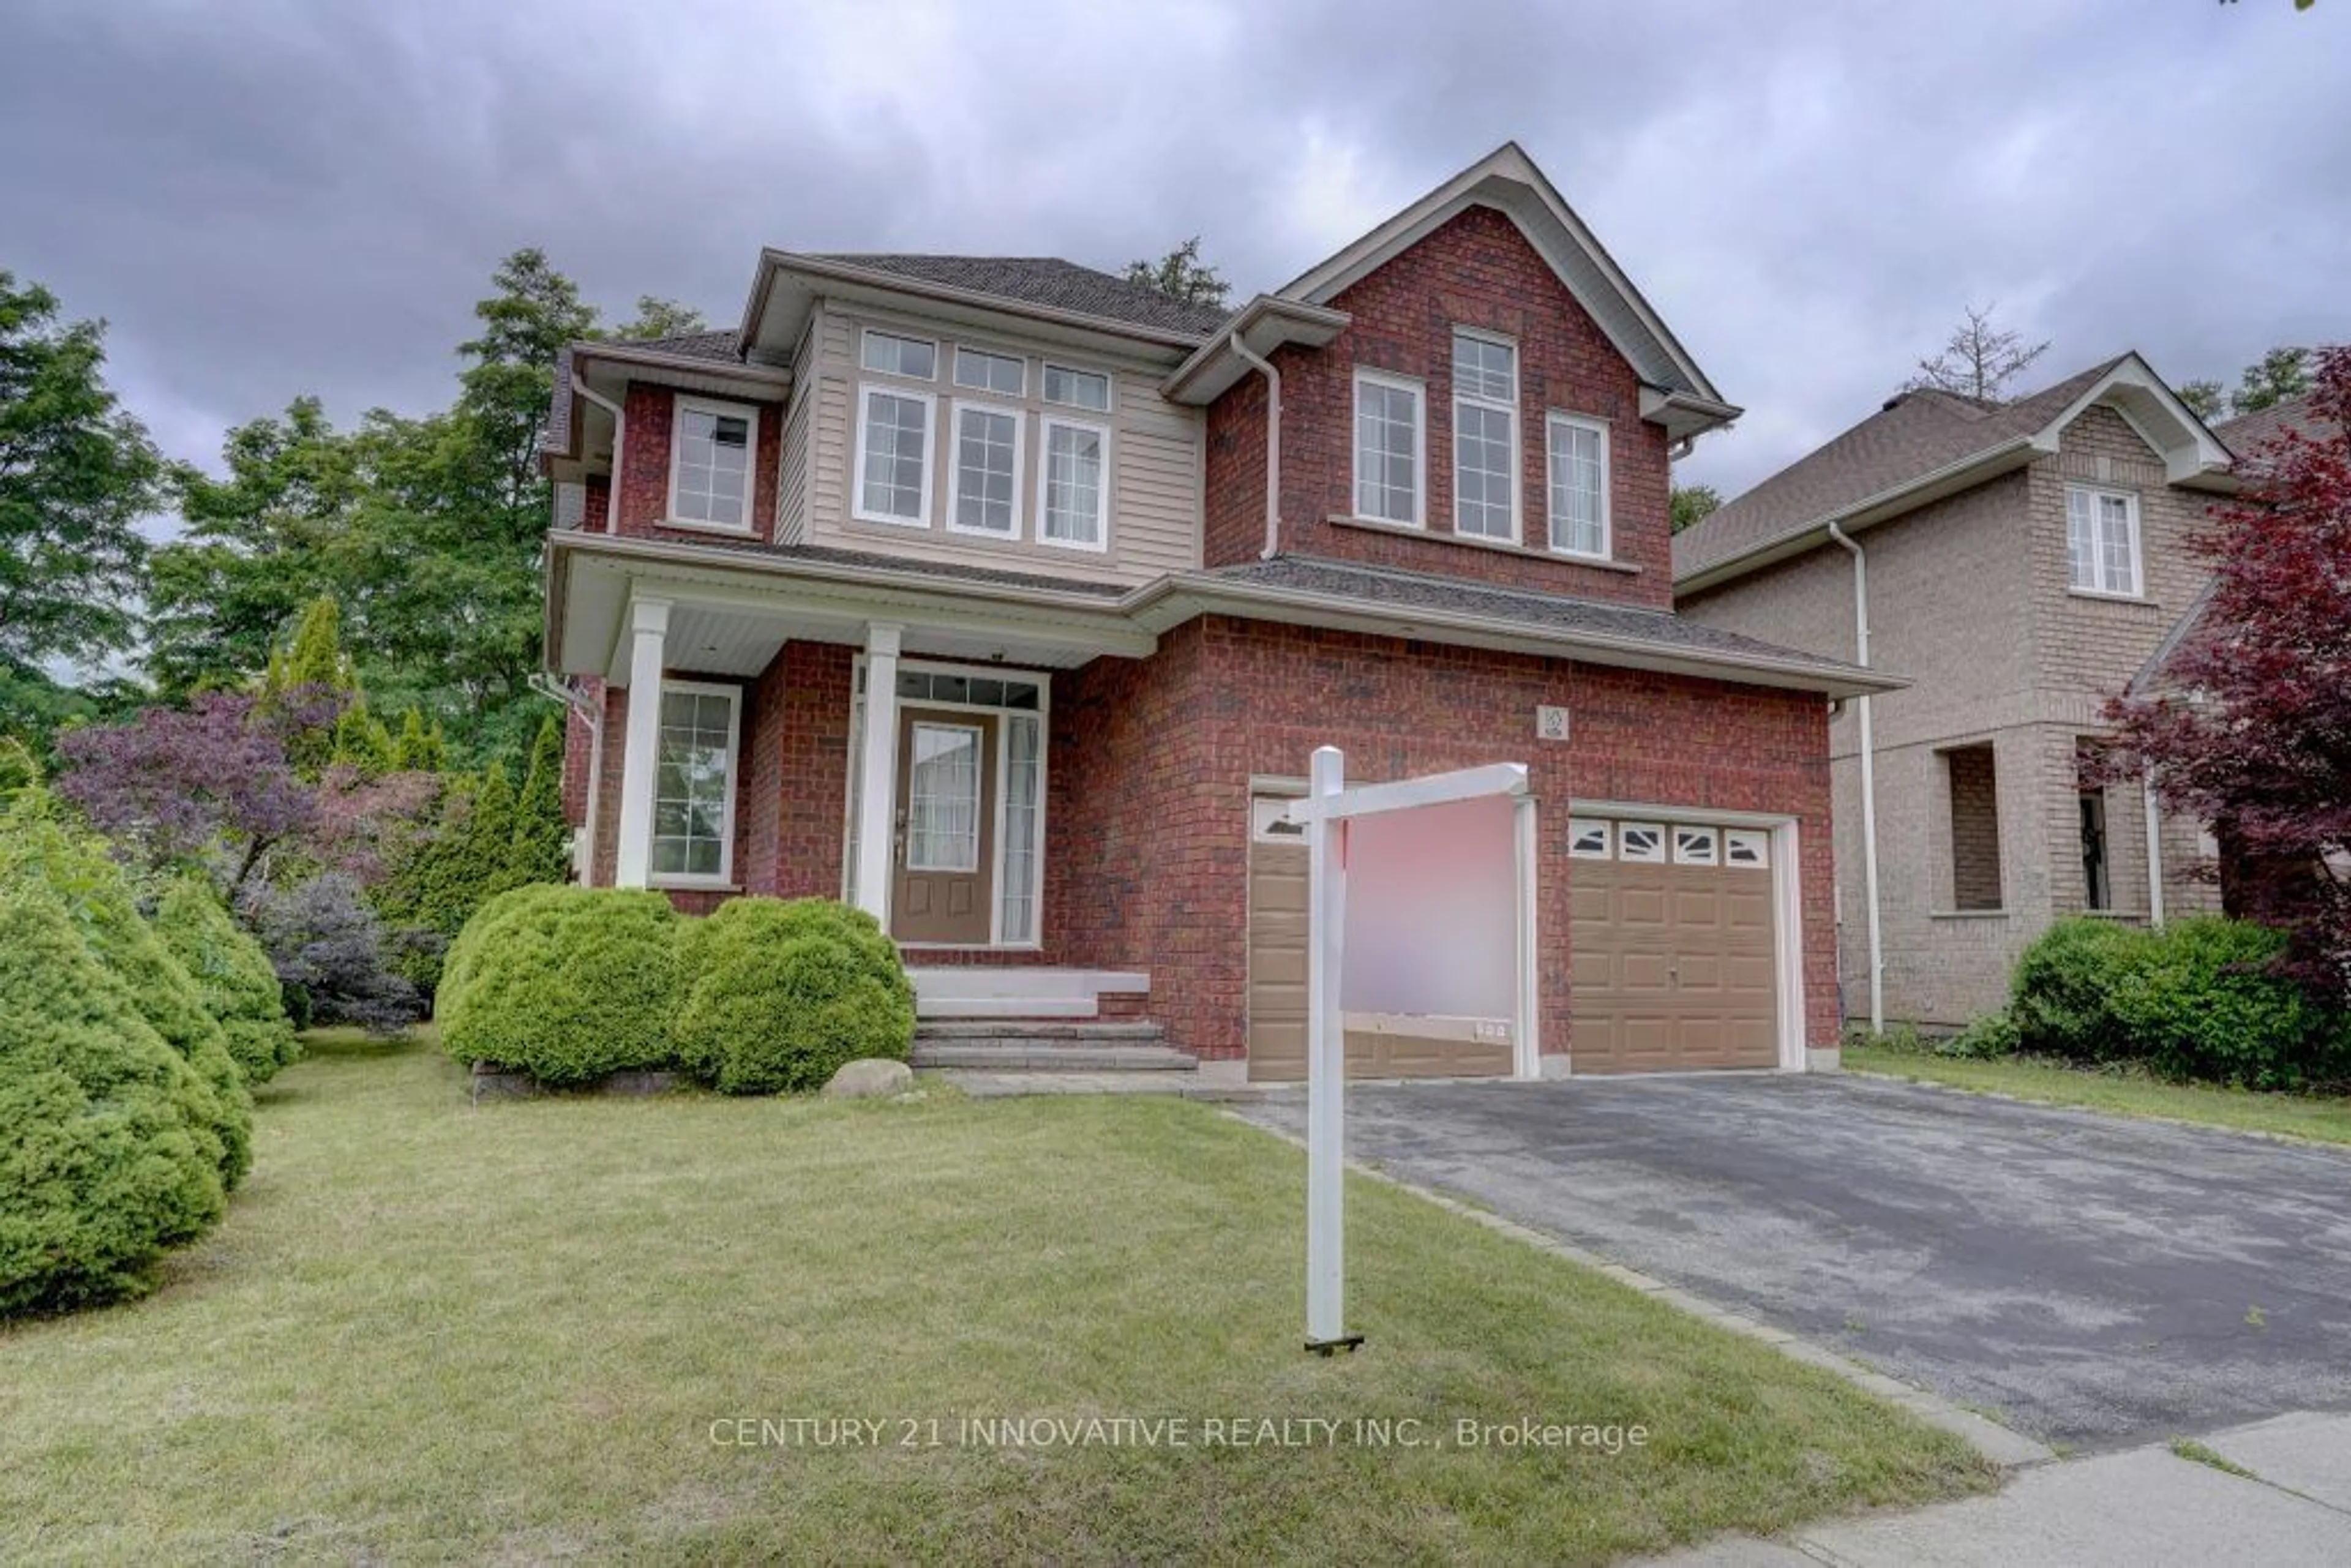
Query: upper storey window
pixel 896 356
pixel 976 369
pixel 1077 389
pixel 1388 449
pixel 1579 485
pixel 1073 500
pixel 710 465
pixel 2102 540
pixel 1485 436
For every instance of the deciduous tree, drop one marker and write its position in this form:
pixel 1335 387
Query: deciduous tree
pixel 1182 275
pixel 1693 504
pixel 1979 359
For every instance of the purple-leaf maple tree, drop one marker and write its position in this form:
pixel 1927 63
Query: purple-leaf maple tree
pixel 173 784
pixel 2250 727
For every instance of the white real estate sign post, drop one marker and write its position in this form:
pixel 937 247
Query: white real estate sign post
pixel 1325 812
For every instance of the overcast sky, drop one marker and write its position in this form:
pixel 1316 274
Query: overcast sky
pixel 268 199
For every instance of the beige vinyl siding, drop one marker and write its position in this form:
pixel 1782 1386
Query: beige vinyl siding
pixel 1154 515
pixel 791 483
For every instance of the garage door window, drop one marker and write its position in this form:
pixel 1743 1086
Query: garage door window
pixel 1697 846
pixel 1587 840
pixel 1642 841
pixel 1747 848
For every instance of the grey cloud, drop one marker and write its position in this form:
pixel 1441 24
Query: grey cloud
pixel 268 199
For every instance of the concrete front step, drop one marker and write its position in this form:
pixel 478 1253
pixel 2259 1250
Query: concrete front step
pixel 1018 1055
pixel 1056 1032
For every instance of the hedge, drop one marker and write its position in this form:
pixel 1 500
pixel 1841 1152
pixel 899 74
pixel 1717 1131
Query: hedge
pixel 2198 1000
pixel 232 975
pixel 566 984
pixel 38 850
pixel 778 994
pixel 108 1151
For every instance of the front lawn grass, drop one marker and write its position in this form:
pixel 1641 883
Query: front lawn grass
pixel 2121 1091
pixel 434 1332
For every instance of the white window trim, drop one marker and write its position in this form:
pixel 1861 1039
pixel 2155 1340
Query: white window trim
pixel 955 373
pixel 1419 391
pixel 1552 521
pixel 680 405
pixel 2129 499
pixel 725 873
pixel 1045 427
pixel 1110 387
pixel 865 393
pixel 1511 410
pixel 954 452
pixel 867 334
pixel 1043 714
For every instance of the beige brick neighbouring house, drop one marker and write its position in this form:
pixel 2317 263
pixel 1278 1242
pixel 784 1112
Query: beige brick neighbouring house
pixel 2024 563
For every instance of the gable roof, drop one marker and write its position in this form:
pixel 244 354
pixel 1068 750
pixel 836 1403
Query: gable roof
pixel 1924 445
pixel 1047 280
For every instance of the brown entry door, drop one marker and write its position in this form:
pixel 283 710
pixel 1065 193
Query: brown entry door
pixel 946 842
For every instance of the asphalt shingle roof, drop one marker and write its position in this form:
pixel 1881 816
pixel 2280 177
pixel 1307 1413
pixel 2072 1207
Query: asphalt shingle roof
pixel 1913 436
pixel 1408 590
pixel 2248 434
pixel 1050 282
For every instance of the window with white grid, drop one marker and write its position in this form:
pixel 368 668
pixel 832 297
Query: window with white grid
pixel 1579 485
pixel 1388 448
pixel 1485 436
pixel 2102 540
pixel 710 466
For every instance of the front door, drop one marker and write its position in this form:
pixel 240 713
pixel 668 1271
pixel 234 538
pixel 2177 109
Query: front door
pixel 945 850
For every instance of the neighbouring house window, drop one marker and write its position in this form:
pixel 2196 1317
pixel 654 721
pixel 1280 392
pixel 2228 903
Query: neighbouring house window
pixel 1077 389
pixel 893 355
pixel 1587 839
pixel 982 498
pixel 1579 485
pixel 710 464
pixel 1074 506
pixel 894 457
pixel 1485 436
pixel 2102 540
pixel 694 795
pixel 1388 445
pixel 943 798
pixel 1006 374
pixel 1023 799
pixel 1975 827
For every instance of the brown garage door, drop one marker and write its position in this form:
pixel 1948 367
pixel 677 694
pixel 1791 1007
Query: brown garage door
pixel 1672 942
pixel 1277 984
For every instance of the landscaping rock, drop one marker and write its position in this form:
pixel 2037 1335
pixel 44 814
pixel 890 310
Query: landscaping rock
pixel 870 1077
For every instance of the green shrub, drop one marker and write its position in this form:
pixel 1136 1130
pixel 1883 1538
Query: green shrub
pixel 2201 1002
pixel 39 849
pixel 1992 1035
pixel 2060 998
pixel 106 1152
pixel 777 994
pixel 566 984
pixel 233 977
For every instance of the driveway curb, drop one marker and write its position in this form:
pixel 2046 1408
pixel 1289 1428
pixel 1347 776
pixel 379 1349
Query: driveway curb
pixel 2004 1448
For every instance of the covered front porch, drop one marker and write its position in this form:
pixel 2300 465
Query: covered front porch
pixel 888 745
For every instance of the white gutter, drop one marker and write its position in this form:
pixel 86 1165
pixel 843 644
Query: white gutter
pixel 2154 851
pixel 583 855
pixel 579 388
pixel 1868 783
pixel 1272 444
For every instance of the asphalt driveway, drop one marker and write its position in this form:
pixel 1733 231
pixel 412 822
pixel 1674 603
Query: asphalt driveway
pixel 2088 1280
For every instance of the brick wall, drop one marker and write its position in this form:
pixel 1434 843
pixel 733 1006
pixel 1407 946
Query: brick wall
pixel 644 477
pixel 1477 270
pixel 1151 763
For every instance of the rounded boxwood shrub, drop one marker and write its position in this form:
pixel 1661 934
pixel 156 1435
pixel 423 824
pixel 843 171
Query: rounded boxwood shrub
pixel 2060 998
pixel 106 1155
pixel 39 848
pixel 566 984
pixel 233 977
pixel 779 993
pixel 2201 1002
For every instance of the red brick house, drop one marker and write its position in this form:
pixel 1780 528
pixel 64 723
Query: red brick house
pixel 1008 600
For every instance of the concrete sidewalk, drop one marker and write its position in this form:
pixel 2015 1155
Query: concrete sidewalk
pixel 2145 1508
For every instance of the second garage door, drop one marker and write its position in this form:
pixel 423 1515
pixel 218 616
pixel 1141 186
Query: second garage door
pixel 1674 956
pixel 1276 983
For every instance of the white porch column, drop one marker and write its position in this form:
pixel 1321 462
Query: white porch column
pixel 877 775
pixel 640 758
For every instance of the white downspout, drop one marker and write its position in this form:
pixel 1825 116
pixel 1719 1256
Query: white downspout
pixel 620 435
pixel 2154 852
pixel 1868 785
pixel 1272 444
